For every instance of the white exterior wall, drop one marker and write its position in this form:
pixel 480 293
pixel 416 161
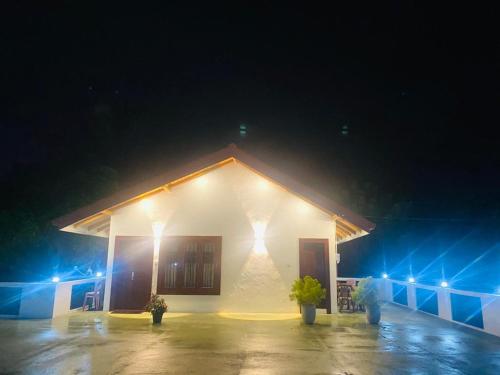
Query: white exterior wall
pixel 235 203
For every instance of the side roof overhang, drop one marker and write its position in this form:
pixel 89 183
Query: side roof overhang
pixel 94 219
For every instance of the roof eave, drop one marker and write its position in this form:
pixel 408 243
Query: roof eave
pixel 206 163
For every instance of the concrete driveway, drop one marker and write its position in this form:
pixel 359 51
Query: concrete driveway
pixel 405 343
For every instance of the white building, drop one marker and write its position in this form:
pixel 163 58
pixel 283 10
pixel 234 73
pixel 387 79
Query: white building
pixel 225 233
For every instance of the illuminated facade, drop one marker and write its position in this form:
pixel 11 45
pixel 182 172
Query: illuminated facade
pixel 230 235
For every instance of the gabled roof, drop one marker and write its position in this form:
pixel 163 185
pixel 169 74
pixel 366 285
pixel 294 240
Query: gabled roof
pixel 94 218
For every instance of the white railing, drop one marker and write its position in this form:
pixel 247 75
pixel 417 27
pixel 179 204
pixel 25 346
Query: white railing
pixel 349 278
pixel 44 300
pixel 489 311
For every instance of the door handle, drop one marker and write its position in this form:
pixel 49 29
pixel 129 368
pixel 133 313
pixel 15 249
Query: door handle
pixel 132 276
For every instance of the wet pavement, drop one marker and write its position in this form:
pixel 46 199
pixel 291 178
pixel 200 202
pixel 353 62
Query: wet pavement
pixel 405 342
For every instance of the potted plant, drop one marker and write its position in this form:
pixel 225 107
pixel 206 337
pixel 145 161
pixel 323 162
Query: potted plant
pixel 366 294
pixel 308 293
pixel 157 307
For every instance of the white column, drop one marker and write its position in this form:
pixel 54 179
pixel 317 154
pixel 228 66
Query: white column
pixel 333 268
pixel 109 266
pixel 491 314
pixel 62 299
pixel 444 303
pixel 412 296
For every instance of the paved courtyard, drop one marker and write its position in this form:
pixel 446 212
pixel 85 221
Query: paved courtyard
pixel 405 343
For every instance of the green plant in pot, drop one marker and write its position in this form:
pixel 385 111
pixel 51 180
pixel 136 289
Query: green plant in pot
pixel 308 293
pixel 157 307
pixel 366 294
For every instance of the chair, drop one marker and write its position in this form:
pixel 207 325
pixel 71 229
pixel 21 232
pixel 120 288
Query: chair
pixel 94 296
pixel 344 298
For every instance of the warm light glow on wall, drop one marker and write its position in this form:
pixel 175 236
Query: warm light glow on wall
pixel 158 227
pixel 302 206
pixel 259 246
pixel 201 181
pixel 146 204
pixel 263 185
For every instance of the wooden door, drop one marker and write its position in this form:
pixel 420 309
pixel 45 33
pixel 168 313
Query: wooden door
pixel 132 273
pixel 313 261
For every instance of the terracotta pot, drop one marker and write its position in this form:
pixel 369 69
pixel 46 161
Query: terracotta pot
pixel 373 314
pixel 157 317
pixel 308 313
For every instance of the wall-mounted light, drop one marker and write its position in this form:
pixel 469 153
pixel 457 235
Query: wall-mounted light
pixel 263 184
pixel 259 229
pixel 385 276
pixel 303 207
pixel 55 279
pixel 201 181
pixel 444 284
pixel 411 279
pixel 98 274
pixel 146 204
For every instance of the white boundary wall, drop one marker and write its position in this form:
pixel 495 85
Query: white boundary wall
pixel 490 303
pixel 45 300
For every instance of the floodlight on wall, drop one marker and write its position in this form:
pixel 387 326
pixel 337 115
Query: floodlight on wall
pixel 411 279
pixel 444 284
pixel 98 274
pixel 55 279
pixel 146 204
pixel 263 184
pixel 259 229
pixel 302 207
pixel 385 276
pixel 202 181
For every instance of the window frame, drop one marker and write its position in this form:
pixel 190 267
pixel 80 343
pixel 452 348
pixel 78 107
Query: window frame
pixel 180 256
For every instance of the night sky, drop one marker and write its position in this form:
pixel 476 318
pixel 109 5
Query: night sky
pixel 390 109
